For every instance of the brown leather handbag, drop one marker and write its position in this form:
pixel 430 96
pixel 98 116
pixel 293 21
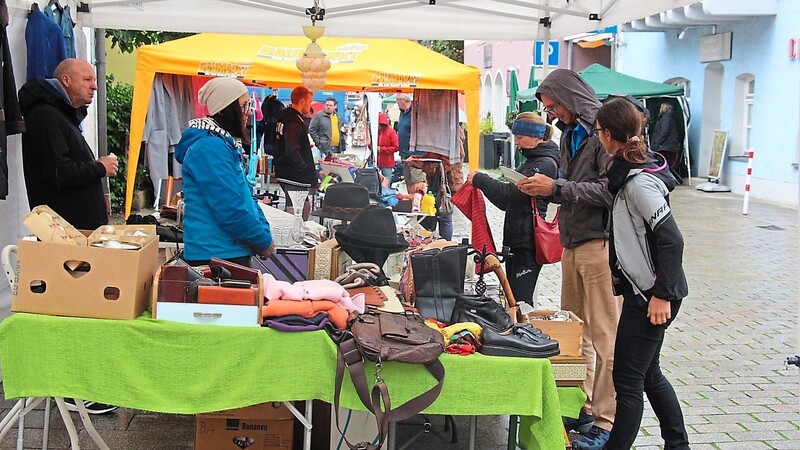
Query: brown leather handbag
pixel 387 337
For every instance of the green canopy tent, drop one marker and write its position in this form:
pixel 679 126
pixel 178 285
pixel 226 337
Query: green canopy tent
pixel 607 82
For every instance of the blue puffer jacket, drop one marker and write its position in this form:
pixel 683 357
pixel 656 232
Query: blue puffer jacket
pixel 221 219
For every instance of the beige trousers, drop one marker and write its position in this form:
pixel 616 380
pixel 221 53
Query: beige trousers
pixel 586 290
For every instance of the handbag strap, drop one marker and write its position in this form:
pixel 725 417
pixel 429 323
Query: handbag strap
pixel 349 355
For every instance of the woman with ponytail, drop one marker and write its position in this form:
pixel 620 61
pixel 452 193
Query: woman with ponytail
pixel 645 257
pixel 532 137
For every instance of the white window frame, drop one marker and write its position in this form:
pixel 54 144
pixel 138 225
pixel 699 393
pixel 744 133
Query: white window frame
pixel 744 100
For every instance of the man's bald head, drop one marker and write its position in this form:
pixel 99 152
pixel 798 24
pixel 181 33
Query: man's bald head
pixel 78 79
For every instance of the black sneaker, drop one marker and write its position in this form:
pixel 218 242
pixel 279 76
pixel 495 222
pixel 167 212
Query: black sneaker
pixel 583 424
pixel 91 407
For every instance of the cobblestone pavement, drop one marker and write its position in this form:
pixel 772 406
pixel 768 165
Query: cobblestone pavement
pixel 724 354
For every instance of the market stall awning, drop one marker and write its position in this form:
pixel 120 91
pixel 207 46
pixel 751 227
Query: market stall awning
pixel 357 65
pixel 411 19
pixel 605 81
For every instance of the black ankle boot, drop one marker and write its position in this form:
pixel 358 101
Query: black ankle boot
pixel 438 279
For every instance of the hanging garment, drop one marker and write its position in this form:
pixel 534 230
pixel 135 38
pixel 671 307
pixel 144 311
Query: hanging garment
pixel 80 43
pixel 470 201
pixel 11 120
pixel 168 115
pixel 61 17
pixel 434 123
pixel 45 42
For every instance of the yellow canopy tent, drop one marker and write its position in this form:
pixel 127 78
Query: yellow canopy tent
pixel 381 65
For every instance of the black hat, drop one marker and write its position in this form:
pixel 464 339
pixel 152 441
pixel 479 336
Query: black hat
pixel 374 228
pixel 343 201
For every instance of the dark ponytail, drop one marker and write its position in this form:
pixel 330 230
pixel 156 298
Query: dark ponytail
pixel 624 122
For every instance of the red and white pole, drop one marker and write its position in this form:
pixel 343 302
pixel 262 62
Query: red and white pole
pixel 747 182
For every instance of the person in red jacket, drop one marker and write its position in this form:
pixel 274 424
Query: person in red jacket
pixel 387 146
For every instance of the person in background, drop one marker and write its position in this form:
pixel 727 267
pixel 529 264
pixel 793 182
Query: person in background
pixel 221 217
pixel 294 163
pixel 666 138
pixel 532 136
pixel 413 176
pixel 646 263
pixel 325 128
pixel 432 171
pixel 387 146
pixel 60 168
pixel 586 278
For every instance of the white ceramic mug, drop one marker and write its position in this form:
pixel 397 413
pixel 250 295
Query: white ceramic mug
pixel 11 269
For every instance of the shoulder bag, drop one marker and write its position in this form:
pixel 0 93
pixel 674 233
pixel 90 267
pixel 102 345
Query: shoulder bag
pixel 444 206
pixel 546 238
pixel 387 337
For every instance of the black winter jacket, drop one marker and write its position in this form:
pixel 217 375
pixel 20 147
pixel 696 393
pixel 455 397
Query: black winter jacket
pixel 518 224
pixel 293 158
pixel 60 168
pixel 665 135
pixel 10 119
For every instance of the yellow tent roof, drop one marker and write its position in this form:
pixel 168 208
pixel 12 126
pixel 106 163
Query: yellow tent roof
pixel 386 65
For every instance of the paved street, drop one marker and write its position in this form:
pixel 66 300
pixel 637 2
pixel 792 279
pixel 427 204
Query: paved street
pixel 724 354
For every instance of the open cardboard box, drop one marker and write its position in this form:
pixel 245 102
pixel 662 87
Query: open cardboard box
pixel 567 333
pixel 79 280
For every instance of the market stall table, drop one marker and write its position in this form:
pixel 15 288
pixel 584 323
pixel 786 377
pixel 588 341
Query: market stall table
pixel 178 368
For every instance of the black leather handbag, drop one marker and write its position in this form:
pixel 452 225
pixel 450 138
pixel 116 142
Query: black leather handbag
pixel 482 310
pixel 438 279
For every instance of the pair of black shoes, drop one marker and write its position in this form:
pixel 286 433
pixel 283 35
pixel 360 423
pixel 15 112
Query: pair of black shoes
pixel 501 336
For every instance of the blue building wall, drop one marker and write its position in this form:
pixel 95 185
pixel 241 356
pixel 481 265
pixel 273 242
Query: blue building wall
pixel 760 48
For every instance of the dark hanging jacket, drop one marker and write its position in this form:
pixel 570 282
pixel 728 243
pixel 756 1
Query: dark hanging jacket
pixel 45 43
pixel 10 116
pixel 60 168
pixel 518 224
pixel 582 192
pixel 294 161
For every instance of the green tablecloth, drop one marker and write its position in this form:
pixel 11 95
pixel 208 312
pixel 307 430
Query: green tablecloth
pixel 187 369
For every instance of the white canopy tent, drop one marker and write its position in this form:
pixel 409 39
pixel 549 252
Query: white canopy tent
pixel 409 19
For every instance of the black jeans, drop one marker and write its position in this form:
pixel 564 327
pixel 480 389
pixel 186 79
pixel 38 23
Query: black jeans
pixel 522 272
pixel 637 370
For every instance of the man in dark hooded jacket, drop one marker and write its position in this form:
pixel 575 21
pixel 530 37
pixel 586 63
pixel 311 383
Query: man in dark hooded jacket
pixel 586 287
pixel 60 169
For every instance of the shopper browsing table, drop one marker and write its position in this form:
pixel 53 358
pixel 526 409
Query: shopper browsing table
pixel 532 137
pixel 586 278
pixel 221 219
pixel 646 256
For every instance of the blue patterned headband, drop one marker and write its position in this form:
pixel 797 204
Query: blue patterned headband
pixel 522 128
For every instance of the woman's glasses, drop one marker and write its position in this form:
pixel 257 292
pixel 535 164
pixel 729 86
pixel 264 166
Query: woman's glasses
pixel 249 106
pixel 596 131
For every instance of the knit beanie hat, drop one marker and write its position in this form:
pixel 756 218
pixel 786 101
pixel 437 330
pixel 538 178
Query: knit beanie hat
pixel 218 93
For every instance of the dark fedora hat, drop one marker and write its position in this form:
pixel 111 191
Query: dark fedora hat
pixel 373 228
pixel 343 201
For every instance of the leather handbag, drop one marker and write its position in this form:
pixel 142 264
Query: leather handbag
pixel 387 337
pixel 481 310
pixel 444 206
pixel 546 237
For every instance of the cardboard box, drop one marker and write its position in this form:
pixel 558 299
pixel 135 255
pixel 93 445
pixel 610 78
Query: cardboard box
pixel 567 333
pixel 327 261
pixel 86 281
pixel 268 426
pixel 207 314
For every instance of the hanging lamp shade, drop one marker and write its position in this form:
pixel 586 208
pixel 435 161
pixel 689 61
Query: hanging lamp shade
pixel 313 65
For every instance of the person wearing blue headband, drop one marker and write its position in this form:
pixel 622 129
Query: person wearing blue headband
pixel 532 137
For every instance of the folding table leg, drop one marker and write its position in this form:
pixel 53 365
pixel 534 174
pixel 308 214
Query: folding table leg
pixel 11 418
pixel 73 433
pixel 46 431
pixel 87 423
pixel 512 432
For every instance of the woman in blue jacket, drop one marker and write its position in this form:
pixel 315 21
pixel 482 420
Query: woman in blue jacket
pixel 646 265
pixel 221 218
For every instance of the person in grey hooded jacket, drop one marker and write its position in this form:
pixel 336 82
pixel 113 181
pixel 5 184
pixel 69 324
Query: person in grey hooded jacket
pixel 586 278
pixel 645 261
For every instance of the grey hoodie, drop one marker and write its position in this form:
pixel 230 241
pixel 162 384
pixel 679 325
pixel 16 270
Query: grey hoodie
pixel 583 192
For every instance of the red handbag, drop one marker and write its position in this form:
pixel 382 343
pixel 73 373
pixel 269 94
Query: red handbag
pixel 546 238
